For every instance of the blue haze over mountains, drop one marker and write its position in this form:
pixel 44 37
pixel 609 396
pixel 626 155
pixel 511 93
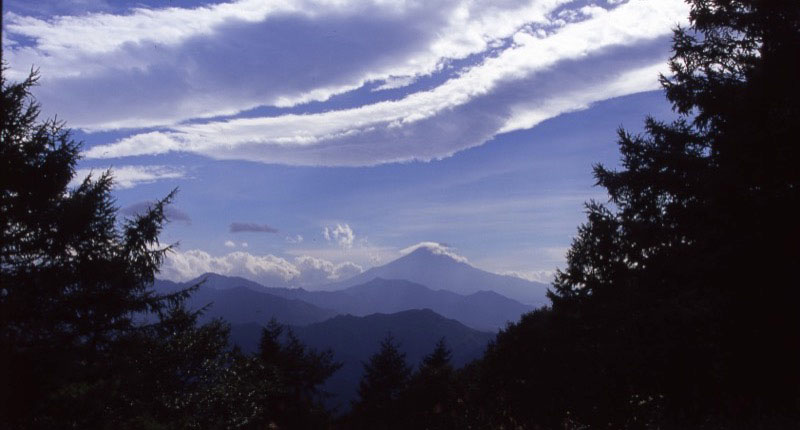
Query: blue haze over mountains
pixel 354 339
pixel 419 298
pixel 440 271
pixel 422 279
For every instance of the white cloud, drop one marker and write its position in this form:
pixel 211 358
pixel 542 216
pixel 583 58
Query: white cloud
pixel 398 40
pixel 532 80
pixel 294 239
pixel 543 276
pixel 103 32
pixel 436 248
pixel 131 176
pixel 393 82
pixel 244 245
pixel 342 234
pixel 534 263
pixel 346 270
pixel 362 254
pixel 269 270
pixel 230 244
pixel 316 271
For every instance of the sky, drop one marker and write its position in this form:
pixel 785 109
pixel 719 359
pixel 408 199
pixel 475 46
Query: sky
pixel 312 139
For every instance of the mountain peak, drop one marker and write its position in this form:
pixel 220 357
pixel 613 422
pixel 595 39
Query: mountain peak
pixel 433 249
pixel 223 282
pixel 438 267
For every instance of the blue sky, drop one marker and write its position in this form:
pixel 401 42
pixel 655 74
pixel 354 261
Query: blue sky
pixel 311 140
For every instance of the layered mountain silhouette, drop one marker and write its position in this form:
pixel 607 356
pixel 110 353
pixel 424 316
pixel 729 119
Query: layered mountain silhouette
pixel 419 298
pixel 484 310
pixel 354 339
pixel 247 303
pixel 424 266
pixel 440 271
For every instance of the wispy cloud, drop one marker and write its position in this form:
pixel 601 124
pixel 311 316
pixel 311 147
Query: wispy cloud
pixel 269 270
pixel 239 227
pixel 501 67
pixel 365 41
pixel 543 276
pixel 436 248
pixel 294 239
pixel 362 254
pixel 537 77
pixel 131 176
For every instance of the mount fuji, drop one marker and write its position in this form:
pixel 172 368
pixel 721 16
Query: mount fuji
pixel 440 270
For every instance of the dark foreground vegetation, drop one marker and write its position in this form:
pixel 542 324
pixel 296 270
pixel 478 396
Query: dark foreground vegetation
pixel 678 308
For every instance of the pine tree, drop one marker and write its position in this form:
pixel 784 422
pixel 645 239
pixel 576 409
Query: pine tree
pixel 675 280
pixel 380 391
pixel 293 374
pixel 431 396
pixel 678 303
pixel 74 289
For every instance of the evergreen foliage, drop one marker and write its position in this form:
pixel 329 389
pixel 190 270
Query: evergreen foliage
pixel 431 398
pixel 85 341
pixel 297 372
pixel 382 387
pixel 678 306
pixel 72 281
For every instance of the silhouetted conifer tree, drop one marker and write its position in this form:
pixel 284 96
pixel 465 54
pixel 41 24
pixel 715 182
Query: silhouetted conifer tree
pixel 432 393
pixel 85 341
pixel 291 375
pixel 380 392
pixel 72 281
pixel 678 303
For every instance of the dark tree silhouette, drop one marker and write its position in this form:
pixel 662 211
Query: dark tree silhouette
pixel 432 393
pixel 85 341
pixel 294 374
pixel 72 281
pixel 678 305
pixel 380 392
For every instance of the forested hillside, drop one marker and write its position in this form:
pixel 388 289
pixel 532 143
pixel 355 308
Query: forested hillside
pixel 677 309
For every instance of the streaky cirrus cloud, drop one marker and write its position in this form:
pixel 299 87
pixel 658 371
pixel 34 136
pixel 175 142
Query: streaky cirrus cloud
pixel 130 176
pixel 540 75
pixel 240 227
pixel 269 270
pixel 172 213
pixel 179 61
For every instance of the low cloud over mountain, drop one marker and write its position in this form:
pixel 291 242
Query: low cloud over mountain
pixel 269 270
pixel 438 267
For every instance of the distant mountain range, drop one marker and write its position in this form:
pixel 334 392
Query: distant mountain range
pixel 247 302
pixel 418 298
pixel 484 310
pixel 434 270
pixel 442 272
pixel 355 339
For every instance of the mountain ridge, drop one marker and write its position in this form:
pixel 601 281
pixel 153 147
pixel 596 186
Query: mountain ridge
pixel 482 310
pixel 242 304
pixel 441 271
pixel 354 339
